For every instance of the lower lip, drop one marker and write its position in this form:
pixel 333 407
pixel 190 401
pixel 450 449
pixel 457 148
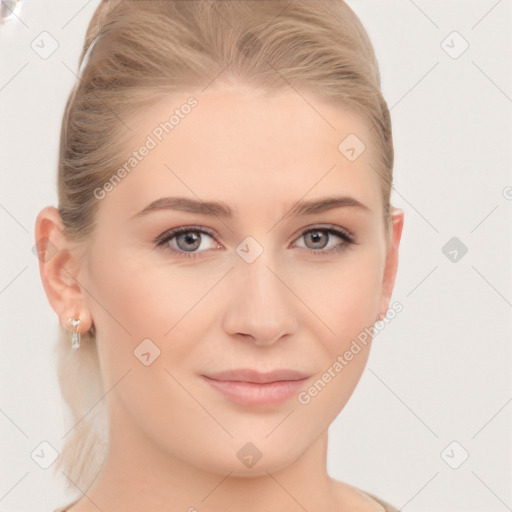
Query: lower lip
pixel 269 394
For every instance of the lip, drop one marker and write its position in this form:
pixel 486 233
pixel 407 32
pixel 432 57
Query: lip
pixel 254 376
pixel 254 388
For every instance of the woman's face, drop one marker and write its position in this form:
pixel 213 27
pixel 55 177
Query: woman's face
pixel 256 281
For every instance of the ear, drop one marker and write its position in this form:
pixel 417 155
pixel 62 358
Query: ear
pixel 59 267
pixel 391 265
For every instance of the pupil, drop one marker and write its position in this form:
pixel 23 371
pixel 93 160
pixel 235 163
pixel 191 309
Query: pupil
pixel 316 237
pixel 189 239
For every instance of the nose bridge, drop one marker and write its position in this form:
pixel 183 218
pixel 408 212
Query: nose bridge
pixel 260 280
pixel 261 305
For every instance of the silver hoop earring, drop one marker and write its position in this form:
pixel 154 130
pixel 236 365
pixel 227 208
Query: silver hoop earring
pixel 74 324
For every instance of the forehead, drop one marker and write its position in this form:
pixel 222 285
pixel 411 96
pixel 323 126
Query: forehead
pixel 246 145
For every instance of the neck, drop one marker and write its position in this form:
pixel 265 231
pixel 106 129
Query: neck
pixel 146 477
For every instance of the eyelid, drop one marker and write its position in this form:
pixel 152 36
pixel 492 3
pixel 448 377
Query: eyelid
pixel 325 227
pixel 348 237
pixel 170 233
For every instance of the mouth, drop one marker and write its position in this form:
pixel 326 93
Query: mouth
pixel 253 388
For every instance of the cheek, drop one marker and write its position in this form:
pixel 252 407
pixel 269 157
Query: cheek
pixel 149 298
pixel 347 300
pixel 144 293
pixel 344 296
pixel 129 298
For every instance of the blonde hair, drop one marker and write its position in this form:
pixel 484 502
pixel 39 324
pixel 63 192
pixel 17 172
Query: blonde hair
pixel 142 50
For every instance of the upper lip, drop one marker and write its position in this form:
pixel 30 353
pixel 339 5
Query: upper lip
pixel 255 376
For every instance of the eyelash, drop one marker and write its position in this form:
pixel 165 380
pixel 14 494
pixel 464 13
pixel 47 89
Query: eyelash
pixel 165 237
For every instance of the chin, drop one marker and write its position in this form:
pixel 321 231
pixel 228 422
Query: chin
pixel 245 459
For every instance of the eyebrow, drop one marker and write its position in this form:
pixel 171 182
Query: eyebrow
pixel 219 209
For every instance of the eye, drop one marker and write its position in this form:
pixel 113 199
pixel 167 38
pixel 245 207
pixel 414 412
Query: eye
pixel 186 240
pixel 320 240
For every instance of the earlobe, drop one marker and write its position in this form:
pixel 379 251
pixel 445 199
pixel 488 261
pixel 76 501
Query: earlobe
pixel 391 266
pixel 59 265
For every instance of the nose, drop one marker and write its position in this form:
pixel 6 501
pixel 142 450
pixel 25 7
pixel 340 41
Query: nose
pixel 260 307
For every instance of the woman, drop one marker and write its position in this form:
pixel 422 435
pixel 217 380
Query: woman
pixel 223 243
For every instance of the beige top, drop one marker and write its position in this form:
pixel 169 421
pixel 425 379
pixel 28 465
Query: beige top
pixel 387 506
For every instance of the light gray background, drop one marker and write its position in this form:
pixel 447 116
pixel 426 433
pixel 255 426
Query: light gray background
pixel 440 372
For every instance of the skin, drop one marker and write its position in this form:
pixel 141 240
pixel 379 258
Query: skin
pixel 174 439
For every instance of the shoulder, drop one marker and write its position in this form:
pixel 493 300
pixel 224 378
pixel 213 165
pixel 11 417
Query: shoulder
pixel 386 506
pixel 66 508
pixel 356 500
